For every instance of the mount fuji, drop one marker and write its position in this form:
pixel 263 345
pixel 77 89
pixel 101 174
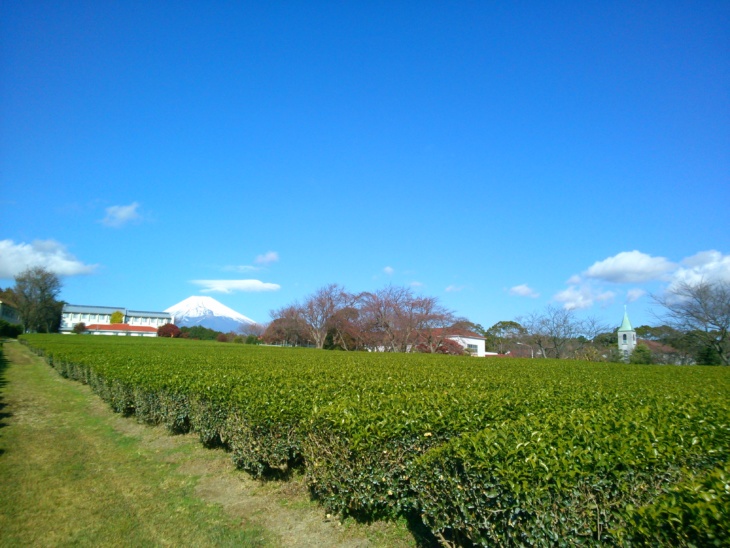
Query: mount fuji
pixel 207 312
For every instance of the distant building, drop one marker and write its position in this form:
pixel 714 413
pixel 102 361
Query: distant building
pixel 98 320
pixel 474 344
pixel 626 337
pixel 9 313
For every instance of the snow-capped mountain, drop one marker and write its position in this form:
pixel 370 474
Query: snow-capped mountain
pixel 208 312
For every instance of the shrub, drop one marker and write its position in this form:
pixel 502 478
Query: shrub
pixel 169 330
pixel 10 329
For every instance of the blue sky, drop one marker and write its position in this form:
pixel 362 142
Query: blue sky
pixel 499 156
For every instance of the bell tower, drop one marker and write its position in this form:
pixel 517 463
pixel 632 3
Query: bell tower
pixel 626 337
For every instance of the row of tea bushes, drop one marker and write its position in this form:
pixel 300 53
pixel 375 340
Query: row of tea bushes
pixel 486 452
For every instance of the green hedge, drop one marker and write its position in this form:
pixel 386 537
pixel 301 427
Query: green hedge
pixel 487 452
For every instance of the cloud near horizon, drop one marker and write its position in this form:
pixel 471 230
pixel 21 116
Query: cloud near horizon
pixel 711 266
pixel 118 216
pixel 579 297
pixel 630 267
pixel 233 286
pixel 635 267
pixel 49 254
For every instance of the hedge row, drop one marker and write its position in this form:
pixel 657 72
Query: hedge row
pixel 533 452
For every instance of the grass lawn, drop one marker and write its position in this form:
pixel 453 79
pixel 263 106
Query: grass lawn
pixel 68 477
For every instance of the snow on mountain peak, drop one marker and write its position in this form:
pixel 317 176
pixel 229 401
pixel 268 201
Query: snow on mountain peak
pixel 208 312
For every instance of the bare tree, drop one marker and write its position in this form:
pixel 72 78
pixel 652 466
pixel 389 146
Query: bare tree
pixel 378 318
pixel 255 329
pixel 396 320
pixel 392 319
pixel 287 326
pixel 702 308
pixel 344 325
pixel 558 333
pixel 436 324
pixel 320 308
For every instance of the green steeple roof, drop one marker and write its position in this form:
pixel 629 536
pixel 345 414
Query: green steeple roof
pixel 626 324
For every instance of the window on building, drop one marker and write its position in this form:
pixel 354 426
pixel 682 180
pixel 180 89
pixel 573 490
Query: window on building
pixel 472 348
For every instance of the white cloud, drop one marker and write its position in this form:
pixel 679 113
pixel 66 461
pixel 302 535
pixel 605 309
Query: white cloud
pixel 709 266
pixel 50 254
pixel 264 260
pixel 578 297
pixel 630 267
pixel 416 284
pixel 523 290
pixel 240 268
pixel 267 258
pixel 635 267
pixel 118 216
pixel 389 270
pixel 231 286
pixel 633 295
pixel 454 288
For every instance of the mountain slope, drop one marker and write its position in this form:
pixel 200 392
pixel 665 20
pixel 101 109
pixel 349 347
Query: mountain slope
pixel 207 312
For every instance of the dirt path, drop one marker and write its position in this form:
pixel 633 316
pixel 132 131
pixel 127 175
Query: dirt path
pixel 282 509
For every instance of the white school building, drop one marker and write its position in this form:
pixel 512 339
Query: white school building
pixel 98 320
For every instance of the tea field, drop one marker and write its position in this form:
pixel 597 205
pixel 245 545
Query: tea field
pixel 482 451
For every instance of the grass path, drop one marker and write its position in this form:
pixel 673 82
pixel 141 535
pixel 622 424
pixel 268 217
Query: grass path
pixel 74 473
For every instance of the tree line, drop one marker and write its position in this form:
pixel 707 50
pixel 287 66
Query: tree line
pixel 396 319
pixel 391 319
pixel 696 320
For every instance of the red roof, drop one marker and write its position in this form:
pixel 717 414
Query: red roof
pixel 121 327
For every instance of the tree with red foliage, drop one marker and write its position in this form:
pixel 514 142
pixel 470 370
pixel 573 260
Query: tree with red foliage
pixel 287 327
pixel 445 346
pixel 168 330
pixel 395 319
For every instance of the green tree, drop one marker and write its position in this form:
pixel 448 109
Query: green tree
pixel 641 354
pixel 199 332
pixel 605 341
pixel 707 355
pixel 79 328
pixel 36 291
pixel 502 333
pixel 117 317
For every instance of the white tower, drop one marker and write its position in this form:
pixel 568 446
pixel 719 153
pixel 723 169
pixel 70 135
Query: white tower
pixel 626 337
